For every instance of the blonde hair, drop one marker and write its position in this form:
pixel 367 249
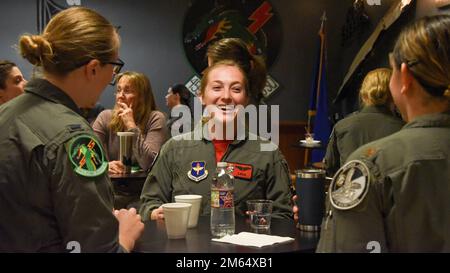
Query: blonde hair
pixel 71 39
pixel 145 101
pixel 424 47
pixel 204 81
pixel 375 88
pixel 253 65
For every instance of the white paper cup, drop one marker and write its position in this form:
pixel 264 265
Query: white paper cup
pixel 196 201
pixel 176 216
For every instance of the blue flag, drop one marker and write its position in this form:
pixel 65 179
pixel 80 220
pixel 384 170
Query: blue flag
pixel 318 105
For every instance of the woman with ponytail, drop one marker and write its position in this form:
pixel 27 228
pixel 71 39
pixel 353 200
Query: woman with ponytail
pixel 392 195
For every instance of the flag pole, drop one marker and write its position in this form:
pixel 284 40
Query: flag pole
pixel 311 113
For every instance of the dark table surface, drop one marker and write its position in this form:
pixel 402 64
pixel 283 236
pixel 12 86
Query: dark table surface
pixel 128 184
pixel 198 240
pixel 127 189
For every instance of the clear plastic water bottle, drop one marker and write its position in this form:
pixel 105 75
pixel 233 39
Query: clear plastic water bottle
pixel 222 201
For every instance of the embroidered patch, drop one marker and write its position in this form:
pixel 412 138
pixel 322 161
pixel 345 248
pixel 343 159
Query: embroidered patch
pixel 370 152
pixel 242 171
pixel 87 156
pixel 350 185
pixel 198 171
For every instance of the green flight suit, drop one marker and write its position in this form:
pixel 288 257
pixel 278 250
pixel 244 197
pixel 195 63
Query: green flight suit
pixel 350 133
pixel 45 206
pixel 169 175
pixel 407 205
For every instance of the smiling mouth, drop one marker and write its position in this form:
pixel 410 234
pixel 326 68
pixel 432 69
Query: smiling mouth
pixel 227 109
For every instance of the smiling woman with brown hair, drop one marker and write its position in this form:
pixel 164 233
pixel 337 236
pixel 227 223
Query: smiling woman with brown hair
pixel 224 89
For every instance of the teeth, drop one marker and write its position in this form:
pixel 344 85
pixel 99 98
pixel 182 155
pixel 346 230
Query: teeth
pixel 226 107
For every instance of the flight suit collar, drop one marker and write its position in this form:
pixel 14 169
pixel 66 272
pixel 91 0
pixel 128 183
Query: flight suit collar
pixel 430 120
pixel 375 109
pixel 48 91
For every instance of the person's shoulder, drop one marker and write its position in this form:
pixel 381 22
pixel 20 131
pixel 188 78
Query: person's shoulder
pixel 157 116
pixel 105 114
pixel 347 120
pixel 387 153
pixel 262 146
pixel 49 119
pixel 186 141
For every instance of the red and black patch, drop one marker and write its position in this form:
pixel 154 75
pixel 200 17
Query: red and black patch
pixel 242 171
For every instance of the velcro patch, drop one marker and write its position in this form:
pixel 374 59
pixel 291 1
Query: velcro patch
pixel 198 171
pixel 242 171
pixel 87 156
pixel 350 185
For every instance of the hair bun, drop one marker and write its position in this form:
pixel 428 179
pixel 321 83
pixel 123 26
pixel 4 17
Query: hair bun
pixel 36 49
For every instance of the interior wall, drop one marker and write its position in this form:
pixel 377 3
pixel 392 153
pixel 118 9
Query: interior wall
pixel 151 32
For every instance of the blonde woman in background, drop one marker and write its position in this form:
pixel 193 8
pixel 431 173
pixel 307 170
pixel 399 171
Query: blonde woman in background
pixel 375 120
pixel 135 111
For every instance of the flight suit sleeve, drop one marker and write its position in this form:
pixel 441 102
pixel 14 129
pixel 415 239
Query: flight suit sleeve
pixel 83 205
pixel 157 189
pixel 359 229
pixel 332 157
pixel 278 187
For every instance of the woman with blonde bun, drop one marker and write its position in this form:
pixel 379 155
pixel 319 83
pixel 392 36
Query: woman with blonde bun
pixel 55 194
pixel 375 120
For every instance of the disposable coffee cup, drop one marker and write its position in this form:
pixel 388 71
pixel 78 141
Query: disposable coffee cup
pixel 126 149
pixel 176 217
pixel 196 201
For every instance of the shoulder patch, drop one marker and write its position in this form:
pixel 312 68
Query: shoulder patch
pixel 87 156
pixel 350 185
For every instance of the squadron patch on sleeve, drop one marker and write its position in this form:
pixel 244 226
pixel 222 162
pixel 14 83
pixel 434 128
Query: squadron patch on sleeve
pixel 87 156
pixel 350 185
pixel 198 171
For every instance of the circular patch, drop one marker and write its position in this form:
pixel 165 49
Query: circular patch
pixel 255 22
pixel 350 185
pixel 87 156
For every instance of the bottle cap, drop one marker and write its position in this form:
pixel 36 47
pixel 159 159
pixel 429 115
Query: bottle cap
pixel 222 164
